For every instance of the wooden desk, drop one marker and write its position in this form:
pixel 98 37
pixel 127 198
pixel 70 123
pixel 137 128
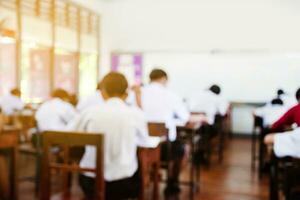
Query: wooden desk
pixel 190 133
pixel 149 165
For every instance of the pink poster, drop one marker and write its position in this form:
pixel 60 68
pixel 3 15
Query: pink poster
pixel 40 73
pixel 129 64
pixel 7 67
pixel 65 74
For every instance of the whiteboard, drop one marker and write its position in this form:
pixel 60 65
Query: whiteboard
pixel 244 77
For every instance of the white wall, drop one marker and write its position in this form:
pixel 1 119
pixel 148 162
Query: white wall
pixel 253 36
pixel 243 78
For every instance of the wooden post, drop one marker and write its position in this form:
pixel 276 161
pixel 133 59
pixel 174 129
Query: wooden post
pixel 78 53
pixel 52 54
pixel 98 47
pixel 18 43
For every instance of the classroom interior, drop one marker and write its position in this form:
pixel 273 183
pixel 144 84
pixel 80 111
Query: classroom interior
pixel 210 86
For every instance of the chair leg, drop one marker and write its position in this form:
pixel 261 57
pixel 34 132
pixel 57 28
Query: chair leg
pixel 273 190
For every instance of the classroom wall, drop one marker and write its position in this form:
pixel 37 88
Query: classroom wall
pixel 226 42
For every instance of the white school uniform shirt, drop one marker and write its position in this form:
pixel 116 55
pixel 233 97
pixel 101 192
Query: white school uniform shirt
pixel 55 115
pixel 209 103
pixel 288 100
pixel 287 144
pixel 124 128
pixel 162 105
pixel 270 113
pixel 90 101
pixel 10 104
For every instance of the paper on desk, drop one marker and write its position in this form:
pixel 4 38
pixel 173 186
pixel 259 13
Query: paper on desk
pixel 150 142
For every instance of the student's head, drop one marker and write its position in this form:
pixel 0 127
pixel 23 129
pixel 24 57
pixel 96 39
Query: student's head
pixel 277 101
pixel 114 85
pixel 298 95
pixel 215 89
pixel 159 75
pixel 280 92
pixel 61 94
pixel 16 92
pixel 100 85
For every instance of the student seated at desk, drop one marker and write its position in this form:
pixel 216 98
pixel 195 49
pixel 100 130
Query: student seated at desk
pixel 209 102
pixel 285 144
pixel 288 100
pixel 12 102
pixel 56 113
pixel 92 100
pixel 162 105
pixel 292 116
pixel 124 128
pixel 271 113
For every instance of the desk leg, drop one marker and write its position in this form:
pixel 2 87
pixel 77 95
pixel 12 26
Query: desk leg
pixel 192 174
pixel 156 181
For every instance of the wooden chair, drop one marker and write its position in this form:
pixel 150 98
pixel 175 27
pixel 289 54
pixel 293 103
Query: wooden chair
pixel 149 159
pixel 9 141
pixel 67 140
pixel 257 130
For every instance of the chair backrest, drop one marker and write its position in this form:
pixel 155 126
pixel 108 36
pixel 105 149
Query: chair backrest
pixel 157 129
pixel 9 141
pixel 67 140
pixel 258 122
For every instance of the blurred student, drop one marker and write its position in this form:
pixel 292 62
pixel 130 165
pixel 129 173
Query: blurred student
pixel 56 113
pixel 292 116
pixel 125 128
pixel 209 102
pixel 285 144
pixel 92 100
pixel 288 100
pixel 270 113
pixel 162 105
pixel 12 102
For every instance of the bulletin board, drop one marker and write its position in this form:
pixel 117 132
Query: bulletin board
pixel 129 64
pixel 39 73
pixel 65 72
pixel 8 70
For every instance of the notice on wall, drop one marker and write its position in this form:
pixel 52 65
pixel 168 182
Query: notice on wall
pixel 65 74
pixel 131 65
pixel 39 73
pixel 8 69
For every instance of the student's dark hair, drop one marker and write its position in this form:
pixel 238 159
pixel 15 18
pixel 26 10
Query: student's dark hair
pixel 298 94
pixel 115 84
pixel 157 74
pixel 215 89
pixel 16 91
pixel 277 101
pixel 280 92
pixel 60 93
pixel 100 85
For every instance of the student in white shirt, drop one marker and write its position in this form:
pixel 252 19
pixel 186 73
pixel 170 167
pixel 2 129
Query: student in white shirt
pixel 124 128
pixel 162 105
pixel 12 102
pixel 56 113
pixel 210 102
pixel 92 100
pixel 288 100
pixel 285 144
pixel 270 113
